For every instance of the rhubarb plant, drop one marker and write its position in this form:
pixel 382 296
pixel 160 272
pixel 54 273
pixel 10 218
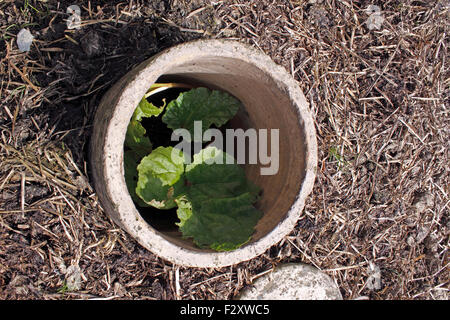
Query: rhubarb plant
pixel 214 199
pixel 209 107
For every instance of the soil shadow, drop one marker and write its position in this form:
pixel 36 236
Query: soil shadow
pixel 97 58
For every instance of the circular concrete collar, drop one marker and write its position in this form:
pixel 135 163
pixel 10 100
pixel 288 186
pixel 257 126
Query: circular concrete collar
pixel 111 123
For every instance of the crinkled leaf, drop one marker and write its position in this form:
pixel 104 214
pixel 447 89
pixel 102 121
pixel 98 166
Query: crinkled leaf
pixel 222 178
pixel 222 216
pixel 159 176
pixel 200 104
pixel 146 109
pixel 184 210
pixel 152 192
pixel 135 138
pixel 222 224
pixel 165 163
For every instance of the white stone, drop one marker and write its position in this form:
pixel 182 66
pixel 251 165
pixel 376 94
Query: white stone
pixel 73 278
pixel 24 40
pixel 74 21
pixel 374 279
pixel 74 9
pixel 293 281
pixel 373 9
pixel 375 19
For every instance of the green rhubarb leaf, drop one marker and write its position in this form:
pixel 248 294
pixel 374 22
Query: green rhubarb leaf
pixel 217 211
pixel 159 177
pixel 221 224
pixel 165 163
pixel 200 104
pixel 184 210
pixel 146 109
pixel 135 138
pixel 138 144
pixel 215 174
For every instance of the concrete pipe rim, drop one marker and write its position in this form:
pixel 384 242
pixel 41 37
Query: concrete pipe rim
pixel 112 134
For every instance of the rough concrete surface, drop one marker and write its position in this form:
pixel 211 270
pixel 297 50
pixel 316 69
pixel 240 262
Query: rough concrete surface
pixel 293 281
pixel 272 99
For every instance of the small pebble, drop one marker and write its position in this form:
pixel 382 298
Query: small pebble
pixel 24 40
pixel 73 278
pixel 74 21
pixel 375 19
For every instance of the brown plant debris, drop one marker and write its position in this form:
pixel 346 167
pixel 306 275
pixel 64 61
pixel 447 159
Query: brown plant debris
pixel 377 220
